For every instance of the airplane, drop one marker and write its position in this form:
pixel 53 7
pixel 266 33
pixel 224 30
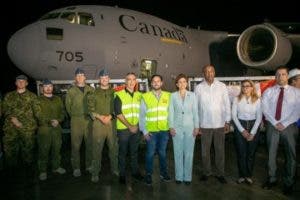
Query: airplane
pixel 122 40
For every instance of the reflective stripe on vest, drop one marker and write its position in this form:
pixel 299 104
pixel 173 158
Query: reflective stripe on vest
pixel 130 108
pixel 157 111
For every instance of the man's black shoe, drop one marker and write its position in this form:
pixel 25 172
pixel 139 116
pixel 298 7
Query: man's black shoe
pixel 268 185
pixel 148 180
pixel 287 190
pixel 221 179
pixel 165 178
pixel 122 180
pixel 178 182
pixel 138 177
pixel 203 178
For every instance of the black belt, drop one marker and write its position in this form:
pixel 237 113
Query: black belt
pixel 247 123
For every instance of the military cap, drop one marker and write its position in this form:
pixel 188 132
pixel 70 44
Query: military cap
pixel 103 72
pixel 47 82
pixel 294 72
pixel 21 77
pixel 79 71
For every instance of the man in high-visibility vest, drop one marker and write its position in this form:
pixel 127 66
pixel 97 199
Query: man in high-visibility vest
pixel 127 108
pixel 154 125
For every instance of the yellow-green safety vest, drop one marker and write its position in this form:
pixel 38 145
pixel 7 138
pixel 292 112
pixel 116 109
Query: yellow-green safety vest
pixel 130 107
pixel 157 111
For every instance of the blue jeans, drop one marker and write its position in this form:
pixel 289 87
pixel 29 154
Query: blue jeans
pixel 158 142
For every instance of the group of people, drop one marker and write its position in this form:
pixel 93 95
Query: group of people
pixel 122 118
pixel 25 114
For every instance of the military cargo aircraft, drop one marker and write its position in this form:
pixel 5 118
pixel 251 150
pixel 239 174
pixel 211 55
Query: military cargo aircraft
pixel 122 40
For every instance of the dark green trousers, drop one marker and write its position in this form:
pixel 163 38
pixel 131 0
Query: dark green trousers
pixel 49 141
pixel 81 130
pixel 102 133
pixel 18 143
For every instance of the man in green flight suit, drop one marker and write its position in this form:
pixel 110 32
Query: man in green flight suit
pixel 19 127
pixel 100 104
pixel 49 130
pixel 76 106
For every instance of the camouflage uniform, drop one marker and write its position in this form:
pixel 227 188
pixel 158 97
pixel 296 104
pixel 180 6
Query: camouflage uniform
pixel 76 106
pixel 47 135
pixel 19 140
pixel 100 102
pixel 1 154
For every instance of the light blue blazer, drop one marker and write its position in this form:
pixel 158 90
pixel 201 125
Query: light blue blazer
pixel 183 114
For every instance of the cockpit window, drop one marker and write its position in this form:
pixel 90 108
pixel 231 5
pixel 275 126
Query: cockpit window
pixel 86 19
pixel 54 33
pixel 70 16
pixel 50 16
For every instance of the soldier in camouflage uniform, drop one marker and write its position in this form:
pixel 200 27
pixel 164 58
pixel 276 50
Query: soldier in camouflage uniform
pixel 1 153
pixel 20 124
pixel 100 104
pixel 0 105
pixel 76 106
pixel 49 131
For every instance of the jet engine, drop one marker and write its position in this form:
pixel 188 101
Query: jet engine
pixel 264 47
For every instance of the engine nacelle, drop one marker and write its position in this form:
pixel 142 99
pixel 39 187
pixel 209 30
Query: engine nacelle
pixel 264 47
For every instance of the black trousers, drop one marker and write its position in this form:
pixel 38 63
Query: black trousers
pixel 245 149
pixel 128 142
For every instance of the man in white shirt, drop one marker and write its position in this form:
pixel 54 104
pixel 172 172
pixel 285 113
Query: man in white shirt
pixel 294 80
pixel 214 117
pixel 281 104
pixel 294 77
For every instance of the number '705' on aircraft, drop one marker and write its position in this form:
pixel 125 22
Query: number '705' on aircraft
pixel 122 40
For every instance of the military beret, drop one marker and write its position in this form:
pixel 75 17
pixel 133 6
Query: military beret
pixel 79 71
pixel 103 72
pixel 21 77
pixel 47 82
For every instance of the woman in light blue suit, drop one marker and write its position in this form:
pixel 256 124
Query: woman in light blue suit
pixel 184 127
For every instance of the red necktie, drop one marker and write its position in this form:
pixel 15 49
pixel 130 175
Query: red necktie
pixel 279 104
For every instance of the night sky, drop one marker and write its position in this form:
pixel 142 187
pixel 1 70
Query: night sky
pixel 227 15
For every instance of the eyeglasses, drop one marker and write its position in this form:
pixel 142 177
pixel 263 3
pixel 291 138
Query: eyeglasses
pixel 246 86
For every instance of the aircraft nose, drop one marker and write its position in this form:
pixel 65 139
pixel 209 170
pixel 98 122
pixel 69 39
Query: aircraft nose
pixel 23 47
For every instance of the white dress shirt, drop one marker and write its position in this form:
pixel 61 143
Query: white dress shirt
pixel 290 105
pixel 213 104
pixel 246 110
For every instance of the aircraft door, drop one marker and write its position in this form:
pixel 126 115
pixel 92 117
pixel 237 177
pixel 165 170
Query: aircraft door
pixel 148 68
